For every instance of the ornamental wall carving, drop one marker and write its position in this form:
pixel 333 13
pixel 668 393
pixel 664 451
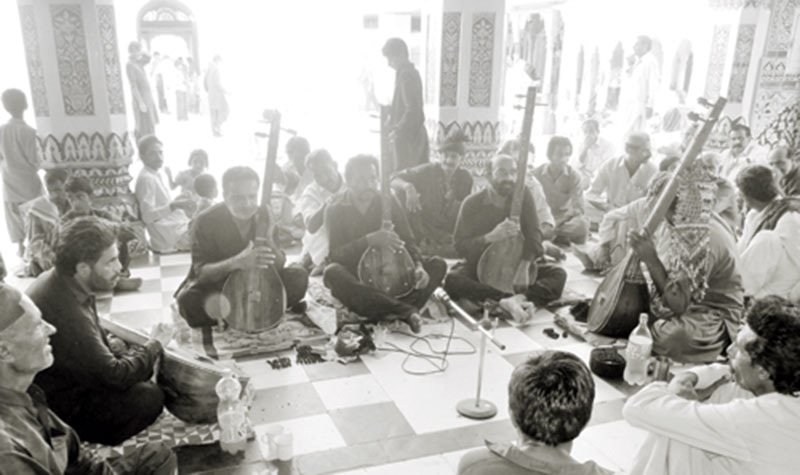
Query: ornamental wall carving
pixel 481 54
pixel 72 59
pixel 86 149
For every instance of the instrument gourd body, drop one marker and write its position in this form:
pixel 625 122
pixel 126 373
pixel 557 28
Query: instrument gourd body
pixel 257 297
pixel 623 293
pixel 385 268
pixel 498 263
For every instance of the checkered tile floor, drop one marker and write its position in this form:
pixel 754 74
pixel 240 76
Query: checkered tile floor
pixel 370 416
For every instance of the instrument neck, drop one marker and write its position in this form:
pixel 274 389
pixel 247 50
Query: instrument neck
pixel 270 169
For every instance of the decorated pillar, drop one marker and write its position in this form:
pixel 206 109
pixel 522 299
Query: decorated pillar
pixel 76 82
pixel 774 104
pixel 463 73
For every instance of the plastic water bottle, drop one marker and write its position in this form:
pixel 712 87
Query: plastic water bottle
pixel 231 414
pixel 637 353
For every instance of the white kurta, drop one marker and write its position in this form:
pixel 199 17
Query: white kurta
pixel 540 201
pixel 731 433
pixel 311 201
pixel 596 156
pixel 770 261
pixel 640 91
pixel 618 186
pixel 168 229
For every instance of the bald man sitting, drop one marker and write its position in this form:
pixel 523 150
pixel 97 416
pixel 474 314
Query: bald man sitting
pixel 33 440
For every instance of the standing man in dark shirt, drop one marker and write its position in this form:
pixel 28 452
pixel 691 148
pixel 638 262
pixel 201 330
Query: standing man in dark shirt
pixel 223 241
pixel 354 224
pixel 99 387
pixel 407 120
pixel 483 219
pixel 33 440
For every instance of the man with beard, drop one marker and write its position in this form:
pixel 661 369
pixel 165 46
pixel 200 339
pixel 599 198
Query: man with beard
pixel 433 193
pixel 33 440
pixel 166 220
pixel 701 423
pixel 223 239
pixel 407 119
pixel 483 219
pixel 97 385
pixel 354 222
pixel 743 151
pixel 312 205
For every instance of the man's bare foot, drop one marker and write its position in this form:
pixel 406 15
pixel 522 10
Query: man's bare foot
pixel 415 322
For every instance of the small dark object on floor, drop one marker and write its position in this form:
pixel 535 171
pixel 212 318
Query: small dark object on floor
pixel 305 355
pixel 580 311
pixel 606 362
pixel 551 333
pixel 280 363
pixel 565 334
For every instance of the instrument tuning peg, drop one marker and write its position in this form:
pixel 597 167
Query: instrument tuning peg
pixel 520 96
pixel 704 102
pixel 519 108
pixel 261 135
pixel 269 114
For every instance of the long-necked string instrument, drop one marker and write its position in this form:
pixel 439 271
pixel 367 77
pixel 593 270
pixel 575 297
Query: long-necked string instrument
pixel 499 261
pixel 188 381
pixel 257 297
pixel 623 294
pixel 388 269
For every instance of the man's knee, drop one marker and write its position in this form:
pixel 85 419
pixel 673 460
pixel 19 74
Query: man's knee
pixel 295 281
pixel 147 399
pixel 436 268
pixel 334 273
pixel 191 307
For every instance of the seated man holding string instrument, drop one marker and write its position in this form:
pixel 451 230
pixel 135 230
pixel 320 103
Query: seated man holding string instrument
pixel 483 220
pixel 696 296
pixel 223 242
pixel 354 221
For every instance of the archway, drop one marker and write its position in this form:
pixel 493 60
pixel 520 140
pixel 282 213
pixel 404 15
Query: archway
pixel 169 18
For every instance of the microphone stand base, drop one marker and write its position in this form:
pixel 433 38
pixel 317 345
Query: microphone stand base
pixel 474 409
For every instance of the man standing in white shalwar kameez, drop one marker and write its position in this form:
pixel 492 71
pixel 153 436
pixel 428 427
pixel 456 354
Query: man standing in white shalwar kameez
pixel 639 92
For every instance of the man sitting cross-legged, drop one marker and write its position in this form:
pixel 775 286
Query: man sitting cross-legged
pixel 33 440
pixel 701 423
pixel 483 219
pixel 223 239
pixel 354 224
pixel 99 387
pixel 550 399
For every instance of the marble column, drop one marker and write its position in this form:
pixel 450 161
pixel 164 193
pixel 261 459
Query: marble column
pixel 75 74
pixel 463 73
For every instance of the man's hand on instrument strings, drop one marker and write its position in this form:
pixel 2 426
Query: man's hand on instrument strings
pixel 384 237
pixel 421 277
pixel 255 257
pixel 506 229
pixel 412 199
pixel 642 243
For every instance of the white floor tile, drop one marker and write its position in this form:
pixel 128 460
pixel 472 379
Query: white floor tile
pixel 433 465
pixel 175 259
pixel 136 301
pixel 310 434
pixel 146 273
pixel 441 391
pixel 352 391
pixel 170 284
